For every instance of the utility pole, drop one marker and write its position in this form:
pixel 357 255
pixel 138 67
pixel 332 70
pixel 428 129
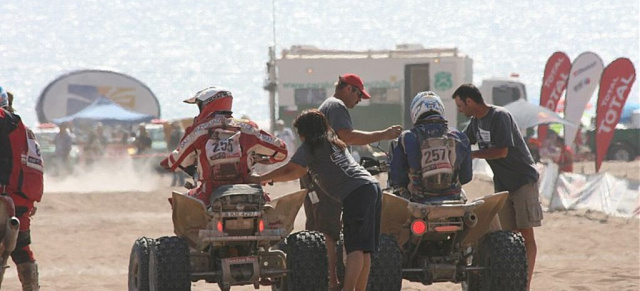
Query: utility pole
pixel 271 85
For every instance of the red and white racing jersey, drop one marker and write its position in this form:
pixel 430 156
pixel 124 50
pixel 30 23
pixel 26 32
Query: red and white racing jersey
pixel 223 149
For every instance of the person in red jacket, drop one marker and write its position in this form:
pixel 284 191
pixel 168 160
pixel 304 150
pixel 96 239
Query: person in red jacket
pixel 21 177
pixel 565 158
pixel 222 148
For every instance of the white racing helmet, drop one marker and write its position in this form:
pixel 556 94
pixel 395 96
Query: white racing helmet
pixel 424 102
pixel 212 99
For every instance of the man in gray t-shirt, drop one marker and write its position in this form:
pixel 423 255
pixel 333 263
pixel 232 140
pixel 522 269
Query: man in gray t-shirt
pixel 349 92
pixel 498 130
pixel 501 144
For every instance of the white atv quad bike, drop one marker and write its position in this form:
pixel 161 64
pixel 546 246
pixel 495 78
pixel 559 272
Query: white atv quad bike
pixel 235 240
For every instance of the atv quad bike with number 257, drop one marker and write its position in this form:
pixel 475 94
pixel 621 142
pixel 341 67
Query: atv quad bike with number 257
pixel 453 241
pixel 456 241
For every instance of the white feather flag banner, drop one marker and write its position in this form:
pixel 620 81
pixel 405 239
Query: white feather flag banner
pixel 583 79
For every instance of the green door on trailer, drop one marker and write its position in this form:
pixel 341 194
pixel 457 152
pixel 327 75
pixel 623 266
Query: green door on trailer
pixel 416 80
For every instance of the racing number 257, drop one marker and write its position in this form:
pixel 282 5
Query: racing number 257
pixel 434 155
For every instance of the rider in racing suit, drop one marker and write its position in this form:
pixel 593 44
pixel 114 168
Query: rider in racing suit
pixel 21 177
pixel 223 148
pixel 430 162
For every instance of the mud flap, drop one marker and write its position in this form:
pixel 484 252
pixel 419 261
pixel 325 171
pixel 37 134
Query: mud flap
pixel 189 217
pixel 282 211
pixel 486 214
pixel 394 217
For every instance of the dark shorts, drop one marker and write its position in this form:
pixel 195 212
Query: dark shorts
pixel 361 218
pixel 323 216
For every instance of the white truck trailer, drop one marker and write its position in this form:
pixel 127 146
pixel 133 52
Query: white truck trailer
pixel 306 76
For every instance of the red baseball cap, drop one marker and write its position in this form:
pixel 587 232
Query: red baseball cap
pixel 356 81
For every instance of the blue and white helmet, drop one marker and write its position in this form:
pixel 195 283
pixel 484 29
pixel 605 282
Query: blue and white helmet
pixel 425 102
pixel 4 98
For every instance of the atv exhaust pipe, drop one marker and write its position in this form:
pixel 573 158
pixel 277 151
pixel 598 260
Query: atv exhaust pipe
pixel 11 235
pixel 14 223
pixel 470 219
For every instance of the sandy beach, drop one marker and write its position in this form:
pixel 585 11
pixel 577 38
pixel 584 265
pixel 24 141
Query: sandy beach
pixel 85 227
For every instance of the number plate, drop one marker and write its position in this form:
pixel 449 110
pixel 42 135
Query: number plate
pixel 238 224
pixel 241 260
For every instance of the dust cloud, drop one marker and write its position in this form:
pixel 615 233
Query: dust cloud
pixel 120 175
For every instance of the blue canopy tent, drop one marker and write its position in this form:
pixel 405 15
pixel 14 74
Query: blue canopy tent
pixel 106 111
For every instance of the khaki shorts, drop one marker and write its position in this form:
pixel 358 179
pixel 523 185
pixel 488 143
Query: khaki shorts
pixel 324 215
pixel 522 209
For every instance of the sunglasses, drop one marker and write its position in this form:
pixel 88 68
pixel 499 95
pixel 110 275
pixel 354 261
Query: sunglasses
pixel 354 89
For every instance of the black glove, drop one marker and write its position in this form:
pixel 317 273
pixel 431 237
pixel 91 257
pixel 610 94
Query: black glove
pixel 190 170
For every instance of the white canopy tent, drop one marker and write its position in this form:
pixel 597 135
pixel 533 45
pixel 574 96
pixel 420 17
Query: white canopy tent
pixel 527 114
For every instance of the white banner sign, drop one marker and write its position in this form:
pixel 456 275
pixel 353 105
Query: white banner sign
pixel 583 80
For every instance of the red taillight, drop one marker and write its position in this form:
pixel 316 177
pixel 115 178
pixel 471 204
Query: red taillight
pixel 418 227
pixel 219 226
pixel 261 225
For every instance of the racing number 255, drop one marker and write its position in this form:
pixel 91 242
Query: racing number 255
pixel 223 145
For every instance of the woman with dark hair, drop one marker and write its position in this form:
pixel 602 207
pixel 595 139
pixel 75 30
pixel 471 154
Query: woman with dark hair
pixel 335 171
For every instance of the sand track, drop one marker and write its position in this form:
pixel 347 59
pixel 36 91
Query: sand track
pixel 82 242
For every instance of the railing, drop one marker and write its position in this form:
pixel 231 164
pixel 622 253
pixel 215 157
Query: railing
pixel 310 52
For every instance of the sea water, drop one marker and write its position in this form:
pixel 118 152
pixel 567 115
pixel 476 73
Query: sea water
pixel 178 47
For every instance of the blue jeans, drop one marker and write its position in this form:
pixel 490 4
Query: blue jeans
pixel 178 179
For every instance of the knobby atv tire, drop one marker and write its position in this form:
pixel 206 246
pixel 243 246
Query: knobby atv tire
pixel 386 266
pixel 170 265
pixel 504 256
pixel 139 264
pixel 307 262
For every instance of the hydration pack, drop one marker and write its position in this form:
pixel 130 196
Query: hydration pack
pixel 438 155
